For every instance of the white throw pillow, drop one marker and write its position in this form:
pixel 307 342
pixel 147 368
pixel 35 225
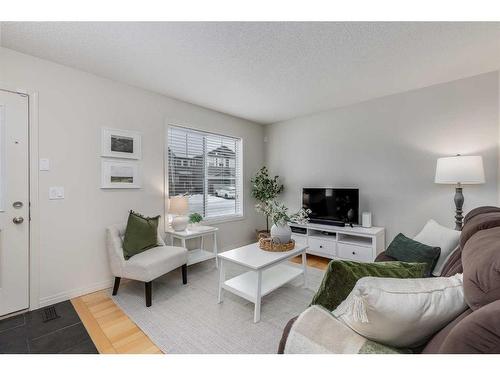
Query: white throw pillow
pixel 402 312
pixel 435 235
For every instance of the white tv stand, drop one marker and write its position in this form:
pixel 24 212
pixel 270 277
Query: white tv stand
pixel 357 243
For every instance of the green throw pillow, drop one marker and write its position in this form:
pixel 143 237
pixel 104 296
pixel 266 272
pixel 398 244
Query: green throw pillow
pixel 405 249
pixel 140 235
pixel 342 275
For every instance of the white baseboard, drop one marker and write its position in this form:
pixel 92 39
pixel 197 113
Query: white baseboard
pixel 66 295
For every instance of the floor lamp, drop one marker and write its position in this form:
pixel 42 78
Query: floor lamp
pixel 459 170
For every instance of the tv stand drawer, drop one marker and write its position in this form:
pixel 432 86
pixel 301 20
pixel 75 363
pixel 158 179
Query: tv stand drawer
pixel 355 253
pixel 322 246
pixel 299 238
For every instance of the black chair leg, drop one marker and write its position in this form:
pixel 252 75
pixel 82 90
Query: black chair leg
pixel 149 293
pixel 116 286
pixel 184 274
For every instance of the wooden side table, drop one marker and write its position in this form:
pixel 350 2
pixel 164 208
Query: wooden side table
pixel 201 254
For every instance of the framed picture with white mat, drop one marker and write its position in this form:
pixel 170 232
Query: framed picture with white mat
pixel 120 174
pixel 117 143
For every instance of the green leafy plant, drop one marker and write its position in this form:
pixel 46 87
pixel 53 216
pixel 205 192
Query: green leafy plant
pixel 195 217
pixel 278 213
pixel 265 189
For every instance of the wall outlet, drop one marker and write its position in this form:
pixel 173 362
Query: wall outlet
pixel 56 192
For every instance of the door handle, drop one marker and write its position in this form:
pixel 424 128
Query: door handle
pixel 18 220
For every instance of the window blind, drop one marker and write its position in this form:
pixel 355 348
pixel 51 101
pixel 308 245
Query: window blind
pixel 207 168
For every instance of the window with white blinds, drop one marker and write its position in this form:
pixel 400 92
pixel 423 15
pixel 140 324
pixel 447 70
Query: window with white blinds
pixel 207 168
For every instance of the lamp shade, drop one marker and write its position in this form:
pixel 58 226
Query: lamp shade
pixel 178 205
pixel 460 170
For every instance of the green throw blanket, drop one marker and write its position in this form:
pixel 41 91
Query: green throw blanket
pixel 341 276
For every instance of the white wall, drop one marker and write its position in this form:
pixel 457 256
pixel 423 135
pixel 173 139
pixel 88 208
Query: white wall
pixel 388 148
pixel 73 106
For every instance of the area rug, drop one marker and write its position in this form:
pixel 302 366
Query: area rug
pixel 188 319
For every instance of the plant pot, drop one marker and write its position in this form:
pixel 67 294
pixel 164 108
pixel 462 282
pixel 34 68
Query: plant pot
pixel 281 232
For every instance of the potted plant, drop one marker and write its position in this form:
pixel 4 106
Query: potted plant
pixel 195 218
pixel 278 213
pixel 265 189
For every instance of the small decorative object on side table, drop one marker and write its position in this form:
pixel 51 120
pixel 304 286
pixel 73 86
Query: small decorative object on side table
pixel 178 207
pixel 201 231
pixel 194 219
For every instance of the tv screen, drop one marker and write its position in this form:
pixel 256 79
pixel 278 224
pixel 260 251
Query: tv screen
pixel 331 206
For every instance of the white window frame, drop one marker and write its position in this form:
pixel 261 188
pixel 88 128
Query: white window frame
pixel 240 192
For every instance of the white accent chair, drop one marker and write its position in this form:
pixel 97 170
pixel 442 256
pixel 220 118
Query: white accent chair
pixel 146 266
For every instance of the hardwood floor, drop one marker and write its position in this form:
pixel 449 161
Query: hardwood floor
pixel 314 261
pixel 114 333
pixel 110 329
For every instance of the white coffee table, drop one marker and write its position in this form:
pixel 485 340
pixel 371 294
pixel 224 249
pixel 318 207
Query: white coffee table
pixel 268 272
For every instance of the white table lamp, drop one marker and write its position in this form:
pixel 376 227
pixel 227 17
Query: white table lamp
pixel 459 170
pixel 178 207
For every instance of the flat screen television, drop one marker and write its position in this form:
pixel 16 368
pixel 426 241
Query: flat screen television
pixel 331 206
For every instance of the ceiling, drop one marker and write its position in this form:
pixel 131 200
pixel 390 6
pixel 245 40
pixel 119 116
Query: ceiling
pixel 266 72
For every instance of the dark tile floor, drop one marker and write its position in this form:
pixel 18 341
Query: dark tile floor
pixel 29 333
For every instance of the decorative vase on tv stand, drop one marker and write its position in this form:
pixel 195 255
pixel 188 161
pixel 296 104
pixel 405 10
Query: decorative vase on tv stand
pixel 282 232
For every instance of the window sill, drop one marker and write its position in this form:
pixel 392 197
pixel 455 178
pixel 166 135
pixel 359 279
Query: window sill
pixel 225 219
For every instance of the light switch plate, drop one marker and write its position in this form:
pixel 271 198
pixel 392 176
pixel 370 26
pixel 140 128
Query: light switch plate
pixel 44 164
pixel 56 192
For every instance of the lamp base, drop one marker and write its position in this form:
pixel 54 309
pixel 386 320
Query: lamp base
pixel 179 223
pixel 459 203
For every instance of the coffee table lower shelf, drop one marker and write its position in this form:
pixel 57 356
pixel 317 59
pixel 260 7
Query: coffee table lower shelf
pixel 245 285
pixel 267 272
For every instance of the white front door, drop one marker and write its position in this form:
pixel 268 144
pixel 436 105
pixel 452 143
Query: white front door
pixel 14 203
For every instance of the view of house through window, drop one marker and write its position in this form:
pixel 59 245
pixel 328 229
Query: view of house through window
pixel 207 168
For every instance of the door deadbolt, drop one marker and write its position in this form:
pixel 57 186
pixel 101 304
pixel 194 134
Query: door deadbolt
pixel 17 204
pixel 18 220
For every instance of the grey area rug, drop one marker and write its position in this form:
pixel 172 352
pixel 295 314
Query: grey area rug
pixel 188 319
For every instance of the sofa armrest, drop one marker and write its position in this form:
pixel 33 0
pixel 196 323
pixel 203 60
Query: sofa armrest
pixel 477 333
